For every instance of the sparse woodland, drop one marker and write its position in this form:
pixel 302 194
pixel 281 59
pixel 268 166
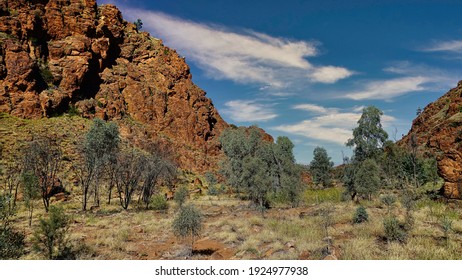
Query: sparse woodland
pixel 107 199
pixel 108 150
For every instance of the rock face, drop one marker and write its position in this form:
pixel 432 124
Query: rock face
pixel 438 129
pixel 62 55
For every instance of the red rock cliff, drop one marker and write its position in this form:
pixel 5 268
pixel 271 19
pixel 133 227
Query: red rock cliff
pixel 439 129
pixel 59 55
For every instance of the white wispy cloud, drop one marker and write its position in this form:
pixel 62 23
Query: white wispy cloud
pixel 445 46
pixel 248 111
pixel 332 125
pixel 313 108
pixel 388 89
pixel 330 74
pixel 243 56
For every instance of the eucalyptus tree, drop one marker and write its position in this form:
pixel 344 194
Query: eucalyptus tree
pixel 321 167
pixel 130 166
pixel 99 152
pixel 369 136
pixel 259 167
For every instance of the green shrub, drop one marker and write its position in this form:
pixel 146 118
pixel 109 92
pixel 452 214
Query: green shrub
pixel 188 223
pixel 394 230
pixel 158 202
pixel 46 74
pixel 11 243
pixel 360 215
pixel 389 201
pixel 180 196
pixel 446 227
pixel 213 190
pixel 50 238
pixel 73 111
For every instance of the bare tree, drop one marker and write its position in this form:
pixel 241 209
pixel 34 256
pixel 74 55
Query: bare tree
pixel 11 179
pixel 131 164
pixel 159 169
pixel 42 157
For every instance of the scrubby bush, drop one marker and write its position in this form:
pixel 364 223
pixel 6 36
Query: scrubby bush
pixel 11 241
pixel 158 202
pixel 188 223
pixel 360 215
pixel 211 179
pixel 51 237
pixel 180 196
pixel 389 201
pixel 394 230
pixel 446 227
pixel 367 178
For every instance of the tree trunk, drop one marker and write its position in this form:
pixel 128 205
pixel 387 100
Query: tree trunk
pixel 31 209
pixel 84 202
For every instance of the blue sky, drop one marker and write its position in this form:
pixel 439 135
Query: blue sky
pixel 305 69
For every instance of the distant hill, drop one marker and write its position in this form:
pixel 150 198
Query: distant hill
pixel 438 130
pixel 74 56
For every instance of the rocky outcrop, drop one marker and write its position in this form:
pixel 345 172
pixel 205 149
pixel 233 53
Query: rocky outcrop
pixel 438 129
pixel 72 55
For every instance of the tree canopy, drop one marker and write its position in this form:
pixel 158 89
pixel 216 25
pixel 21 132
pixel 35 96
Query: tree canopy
pixel 321 167
pixel 368 136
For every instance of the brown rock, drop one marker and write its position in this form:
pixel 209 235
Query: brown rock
pixel 54 54
pixel 305 255
pixel 438 130
pixel 207 246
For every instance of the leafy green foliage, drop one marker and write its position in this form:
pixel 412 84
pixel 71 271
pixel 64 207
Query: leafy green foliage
pixel 73 111
pixel 181 195
pixel 388 201
pixel 321 167
pixel 138 24
pixel 158 202
pixel 46 74
pixel 369 136
pixel 212 184
pixel 51 238
pixel 258 167
pixel 348 179
pixel 99 152
pixel 394 230
pixel 188 222
pixel 11 241
pixel 367 178
pixel 360 215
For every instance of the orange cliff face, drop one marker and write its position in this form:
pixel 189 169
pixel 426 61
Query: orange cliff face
pixel 58 55
pixel 438 129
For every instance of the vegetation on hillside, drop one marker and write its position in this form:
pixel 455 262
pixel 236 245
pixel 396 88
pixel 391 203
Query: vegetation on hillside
pixel 395 187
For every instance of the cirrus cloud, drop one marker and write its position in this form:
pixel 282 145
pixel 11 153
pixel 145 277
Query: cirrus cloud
pixel 332 125
pixel 243 56
pixel 248 111
pixel 388 89
pixel 446 46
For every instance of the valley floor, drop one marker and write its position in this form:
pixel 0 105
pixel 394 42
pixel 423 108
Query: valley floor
pixel 234 230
